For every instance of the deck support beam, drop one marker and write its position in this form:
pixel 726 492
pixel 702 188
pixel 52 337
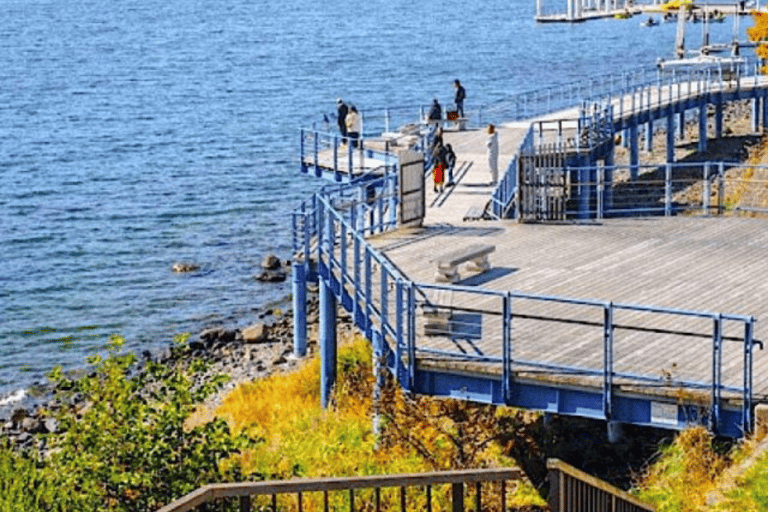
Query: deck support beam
pixel 299 285
pixel 634 156
pixel 719 116
pixel 681 124
pixel 755 113
pixel 649 135
pixel 764 114
pixel 327 341
pixel 702 126
pixel 671 137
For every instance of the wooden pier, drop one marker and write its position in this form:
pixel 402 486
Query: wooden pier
pixel 647 320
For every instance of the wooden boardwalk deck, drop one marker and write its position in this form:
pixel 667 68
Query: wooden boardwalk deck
pixel 693 263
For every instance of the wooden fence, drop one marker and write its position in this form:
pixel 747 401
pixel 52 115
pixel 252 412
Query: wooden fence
pixel 572 490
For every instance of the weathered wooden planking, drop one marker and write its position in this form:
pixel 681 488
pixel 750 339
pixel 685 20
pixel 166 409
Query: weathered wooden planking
pixel 712 264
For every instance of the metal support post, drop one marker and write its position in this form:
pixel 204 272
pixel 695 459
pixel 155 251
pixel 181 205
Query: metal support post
pixel 671 137
pixel 707 191
pixel 634 157
pixel 649 135
pixel 681 124
pixel 299 283
pixel 327 342
pixel 717 368
pixel 749 333
pixel 719 115
pixel 668 190
pixel 755 113
pixel 702 126
pixel 607 360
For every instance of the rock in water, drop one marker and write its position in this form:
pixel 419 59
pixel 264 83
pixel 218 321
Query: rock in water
pixel 185 267
pixel 272 276
pixel 270 262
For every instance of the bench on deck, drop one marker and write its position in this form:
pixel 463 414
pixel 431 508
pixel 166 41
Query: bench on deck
pixel 459 123
pixel 447 264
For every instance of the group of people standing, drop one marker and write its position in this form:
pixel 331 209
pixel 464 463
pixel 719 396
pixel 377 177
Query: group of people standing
pixel 350 126
pixel 350 121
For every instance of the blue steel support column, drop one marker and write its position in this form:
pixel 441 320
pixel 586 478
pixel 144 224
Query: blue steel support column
pixel 671 137
pixel 718 115
pixel 681 123
pixel 702 126
pixel 755 113
pixel 299 282
pixel 584 191
pixel 764 113
pixel 634 157
pixel 506 347
pixel 608 360
pixel 649 135
pixel 327 342
pixel 717 366
pixel 749 332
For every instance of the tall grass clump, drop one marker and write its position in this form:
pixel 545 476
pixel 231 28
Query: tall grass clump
pixel 417 434
pixel 685 473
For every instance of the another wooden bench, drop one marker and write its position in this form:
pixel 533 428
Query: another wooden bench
pixel 447 265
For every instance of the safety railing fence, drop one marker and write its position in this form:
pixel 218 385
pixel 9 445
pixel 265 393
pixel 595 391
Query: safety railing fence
pixel 649 86
pixel 323 150
pixel 521 333
pixel 503 196
pixel 459 490
pixel 707 188
pixel 572 490
pixel 467 324
pixel 677 85
pixel 370 206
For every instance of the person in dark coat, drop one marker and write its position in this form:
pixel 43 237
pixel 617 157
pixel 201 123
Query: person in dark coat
pixel 459 98
pixel 435 112
pixel 341 109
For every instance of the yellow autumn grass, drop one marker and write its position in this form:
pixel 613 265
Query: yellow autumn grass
pixel 300 439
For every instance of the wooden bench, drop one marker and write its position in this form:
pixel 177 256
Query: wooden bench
pixel 447 265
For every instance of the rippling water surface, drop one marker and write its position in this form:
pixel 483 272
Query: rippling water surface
pixel 138 133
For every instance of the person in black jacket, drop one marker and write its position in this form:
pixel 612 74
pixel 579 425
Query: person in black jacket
pixel 460 95
pixel 341 110
pixel 435 112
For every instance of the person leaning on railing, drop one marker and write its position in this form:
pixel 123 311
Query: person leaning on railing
pixel 354 125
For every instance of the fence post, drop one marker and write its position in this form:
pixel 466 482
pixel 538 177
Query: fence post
pixel 749 332
pixel 668 190
pixel 717 363
pixel 607 359
pixel 299 282
pixel 720 188
pixel 457 497
pixel 707 191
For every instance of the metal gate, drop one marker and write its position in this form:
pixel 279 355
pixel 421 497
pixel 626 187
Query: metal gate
pixel 411 180
pixel 544 184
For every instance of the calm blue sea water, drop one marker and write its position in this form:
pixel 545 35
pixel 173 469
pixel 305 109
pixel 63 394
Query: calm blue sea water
pixel 138 133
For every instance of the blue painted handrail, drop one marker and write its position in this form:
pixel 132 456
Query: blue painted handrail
pixel 385 303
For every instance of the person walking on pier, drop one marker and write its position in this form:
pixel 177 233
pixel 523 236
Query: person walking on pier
pixel 341 116
pixel 354 125
pixel 492 143
pixel 459 99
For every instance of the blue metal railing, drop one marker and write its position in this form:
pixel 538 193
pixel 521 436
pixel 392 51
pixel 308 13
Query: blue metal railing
pixel 385 303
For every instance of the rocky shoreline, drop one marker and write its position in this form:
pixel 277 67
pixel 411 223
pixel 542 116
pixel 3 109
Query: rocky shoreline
pixel 242 353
